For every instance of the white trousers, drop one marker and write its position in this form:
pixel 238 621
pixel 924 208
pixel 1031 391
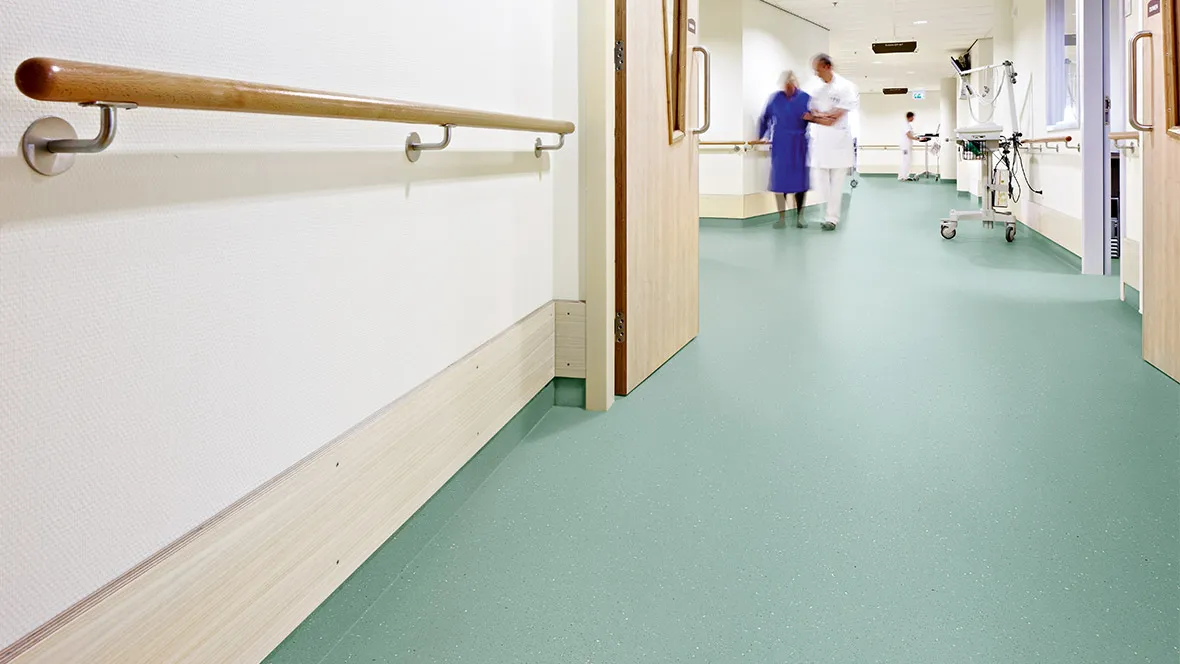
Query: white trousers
pixel 830 182
pixel 907 160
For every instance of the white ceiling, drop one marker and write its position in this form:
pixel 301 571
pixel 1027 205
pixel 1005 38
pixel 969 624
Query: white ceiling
pixel 951 27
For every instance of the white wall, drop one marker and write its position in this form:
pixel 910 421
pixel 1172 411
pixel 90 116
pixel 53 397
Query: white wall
pixel 568 259
pixel 189 314
pixel 772 42
pixel 882 119
pixel 720 31
pixel 1133 190
pixel 970 113
pixel 752 45
pixel 949 119
pixel 1132 161
pixel 1059 174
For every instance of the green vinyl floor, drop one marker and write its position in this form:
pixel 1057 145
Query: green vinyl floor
pixel 882 447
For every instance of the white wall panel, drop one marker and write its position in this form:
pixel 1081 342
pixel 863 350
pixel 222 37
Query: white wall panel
pixel 192 312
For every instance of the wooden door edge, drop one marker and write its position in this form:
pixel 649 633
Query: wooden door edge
pixel 621 387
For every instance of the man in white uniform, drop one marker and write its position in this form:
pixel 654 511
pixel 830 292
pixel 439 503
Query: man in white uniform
pixel 833 97
pixel 907 148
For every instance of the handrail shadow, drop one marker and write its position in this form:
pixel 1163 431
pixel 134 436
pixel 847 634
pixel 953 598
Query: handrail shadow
pixel 130 181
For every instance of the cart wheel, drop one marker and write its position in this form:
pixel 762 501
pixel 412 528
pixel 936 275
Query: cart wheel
pixel 948 232
pixel 1010 234
pixel 854 183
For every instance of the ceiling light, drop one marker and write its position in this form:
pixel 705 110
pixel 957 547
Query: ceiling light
pixel 876 62
pixel 920 22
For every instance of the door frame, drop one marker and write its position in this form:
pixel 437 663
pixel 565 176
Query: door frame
pixel 620 195
pixel 596 127
pixel 1095 56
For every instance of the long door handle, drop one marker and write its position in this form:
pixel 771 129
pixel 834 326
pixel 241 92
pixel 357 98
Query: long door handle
pixel 708 74
pixel 1134 115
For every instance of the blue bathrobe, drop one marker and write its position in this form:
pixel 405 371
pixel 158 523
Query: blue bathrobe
pixel 783 122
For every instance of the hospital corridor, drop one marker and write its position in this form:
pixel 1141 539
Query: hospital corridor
pixel 624 331
pixel 917 471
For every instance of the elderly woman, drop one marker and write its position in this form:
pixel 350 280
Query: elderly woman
pixel 785 122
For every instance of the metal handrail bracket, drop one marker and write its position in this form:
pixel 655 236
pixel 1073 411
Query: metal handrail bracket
pixel 50 143
pixel 415 147
pixel 539 147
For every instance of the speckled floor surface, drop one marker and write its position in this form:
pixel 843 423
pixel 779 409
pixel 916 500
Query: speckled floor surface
pixel 883 447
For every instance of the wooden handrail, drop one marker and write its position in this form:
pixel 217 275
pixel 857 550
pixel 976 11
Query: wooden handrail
pixel 1124 135
pixel 762 142
pixel 1049 139
pixel 48 79
pixel 720 143
pixel 888 147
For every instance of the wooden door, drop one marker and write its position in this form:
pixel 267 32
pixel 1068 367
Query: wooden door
pixel 657 294
pixel 1161 188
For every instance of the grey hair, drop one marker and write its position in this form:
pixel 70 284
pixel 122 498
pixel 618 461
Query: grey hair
pixel 823 59
pixel 788 76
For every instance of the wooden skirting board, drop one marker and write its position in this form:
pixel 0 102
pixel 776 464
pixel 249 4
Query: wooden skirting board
pixel 234 588
pixel 763 202
pixel 746 206
pixel 723 206
pixel 1130 264
pixel 1061 228
pixel 570 339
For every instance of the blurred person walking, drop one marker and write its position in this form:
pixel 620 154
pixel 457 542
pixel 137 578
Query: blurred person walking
pixel 833 97
pixel 784 123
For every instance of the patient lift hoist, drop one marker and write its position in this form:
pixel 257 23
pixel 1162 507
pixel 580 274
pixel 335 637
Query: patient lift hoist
pixel 981 142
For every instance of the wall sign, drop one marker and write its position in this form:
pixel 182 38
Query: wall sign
pixel 1153 7
pixel 919 94
pixel 692 25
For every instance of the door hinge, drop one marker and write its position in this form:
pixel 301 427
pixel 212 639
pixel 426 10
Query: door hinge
pixel 620 55
pixel 1106 112
pixel 620 328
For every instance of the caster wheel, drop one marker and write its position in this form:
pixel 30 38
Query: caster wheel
pixel 854 184
pixel 1010 234
pixel 948 233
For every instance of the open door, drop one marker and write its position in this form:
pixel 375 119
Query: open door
pixel 1155 60
pixel 656 187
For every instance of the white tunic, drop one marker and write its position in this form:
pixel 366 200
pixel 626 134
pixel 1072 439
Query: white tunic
pixel 831 147
pixel 907 142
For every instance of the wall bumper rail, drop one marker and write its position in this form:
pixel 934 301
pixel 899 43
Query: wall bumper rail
pixel 1049 142
pixel 736 146
pixel 50 144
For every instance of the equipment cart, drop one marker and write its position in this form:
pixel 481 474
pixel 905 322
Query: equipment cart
pixel 932 151
pixel 993 185
pixel 996 151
